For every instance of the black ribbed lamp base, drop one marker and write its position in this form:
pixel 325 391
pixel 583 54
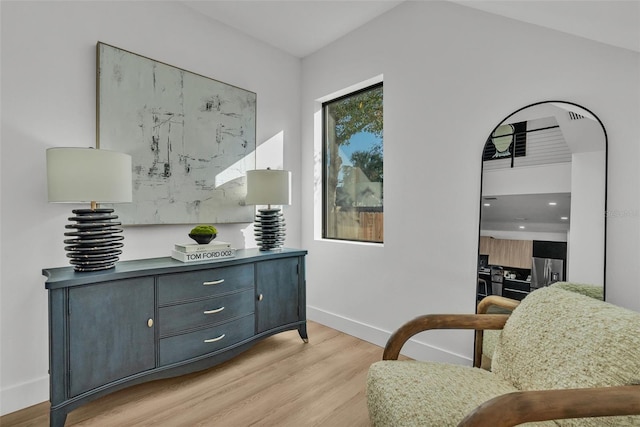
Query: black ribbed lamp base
pixel 269 229
pixel 94 245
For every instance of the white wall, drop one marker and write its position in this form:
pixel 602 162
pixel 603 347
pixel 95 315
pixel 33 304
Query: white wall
pixel 542 179
pixel 587 229
pixel 446 87
pixel 48 99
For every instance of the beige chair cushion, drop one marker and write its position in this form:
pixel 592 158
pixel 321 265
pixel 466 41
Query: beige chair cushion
pixel 410 393
pixel 491 337
pixel 558 339
pixel 489 342
pixel 589 290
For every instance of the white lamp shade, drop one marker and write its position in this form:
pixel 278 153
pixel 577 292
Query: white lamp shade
pixel 77 175
pixel 268 187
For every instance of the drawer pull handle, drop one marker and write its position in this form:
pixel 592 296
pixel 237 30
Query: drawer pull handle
pixel 217 310
pixel 215 282
pixel 215 339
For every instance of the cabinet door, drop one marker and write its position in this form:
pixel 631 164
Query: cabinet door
pixel 110 336
pixel 507 253
pixel 485 246
pixel 277 288
pixel 518 253
pixel 545 249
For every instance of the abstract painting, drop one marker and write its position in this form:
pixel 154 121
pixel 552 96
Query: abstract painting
pixel 191 139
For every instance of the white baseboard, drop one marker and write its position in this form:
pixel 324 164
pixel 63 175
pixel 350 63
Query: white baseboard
pixel 414 349
pixel 24 395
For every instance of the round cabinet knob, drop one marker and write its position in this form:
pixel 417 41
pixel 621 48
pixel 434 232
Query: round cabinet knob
pixel 150 322
pixel 260 297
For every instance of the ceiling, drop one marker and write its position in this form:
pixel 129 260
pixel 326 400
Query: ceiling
pixel 301 27
pixel 608 21
pixel 531 211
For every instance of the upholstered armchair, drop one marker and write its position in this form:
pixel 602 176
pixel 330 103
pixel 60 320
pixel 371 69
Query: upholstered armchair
pixel 561 359
pixel 486 341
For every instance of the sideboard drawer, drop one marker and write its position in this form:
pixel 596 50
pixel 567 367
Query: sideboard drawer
pixel 181 317
pixel 204 283
pixel 183 347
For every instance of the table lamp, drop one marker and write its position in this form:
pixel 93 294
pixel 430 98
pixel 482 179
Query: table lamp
pixel 88 175
pixel 269 187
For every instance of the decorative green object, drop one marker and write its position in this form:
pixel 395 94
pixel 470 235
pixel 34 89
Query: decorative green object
pixel 203 234
pixel 203 229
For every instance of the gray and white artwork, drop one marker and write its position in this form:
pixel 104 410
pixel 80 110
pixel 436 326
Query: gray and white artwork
pixel 191 140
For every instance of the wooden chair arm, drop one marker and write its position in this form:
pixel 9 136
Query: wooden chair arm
pixel 483 306
pixel 486 302
pixel 527 406
pixel 439 321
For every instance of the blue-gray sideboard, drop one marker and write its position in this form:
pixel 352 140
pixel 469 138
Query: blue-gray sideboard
pixel 157 318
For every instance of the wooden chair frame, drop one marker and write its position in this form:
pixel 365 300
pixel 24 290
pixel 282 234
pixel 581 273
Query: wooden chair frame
pixel 523 406
pixel 483 307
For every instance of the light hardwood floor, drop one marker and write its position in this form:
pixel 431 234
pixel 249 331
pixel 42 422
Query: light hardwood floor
pixel 281 381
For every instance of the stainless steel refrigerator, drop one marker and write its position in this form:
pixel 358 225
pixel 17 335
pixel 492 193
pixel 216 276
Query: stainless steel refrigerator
pixel 545 271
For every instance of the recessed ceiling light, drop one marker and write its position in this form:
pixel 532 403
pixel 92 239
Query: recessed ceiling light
pixel 552 203
pixel 522 227
pixel 564 218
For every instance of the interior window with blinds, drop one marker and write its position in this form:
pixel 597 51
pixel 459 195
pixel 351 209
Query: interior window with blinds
pixel 353 166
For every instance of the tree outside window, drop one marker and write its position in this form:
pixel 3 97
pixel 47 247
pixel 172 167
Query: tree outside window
pixel 353 166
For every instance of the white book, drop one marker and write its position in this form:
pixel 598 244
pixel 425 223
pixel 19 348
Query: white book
pixel 203 255
pixel 196 247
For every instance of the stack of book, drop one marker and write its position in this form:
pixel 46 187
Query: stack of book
pixel 191 252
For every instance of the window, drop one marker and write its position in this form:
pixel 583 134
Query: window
pixel 352 166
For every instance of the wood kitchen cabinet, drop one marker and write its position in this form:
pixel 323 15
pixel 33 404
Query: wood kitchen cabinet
pixel 158 318
pixel 507 253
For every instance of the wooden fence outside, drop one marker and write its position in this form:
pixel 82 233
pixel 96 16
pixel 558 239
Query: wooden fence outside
pixel 365 226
